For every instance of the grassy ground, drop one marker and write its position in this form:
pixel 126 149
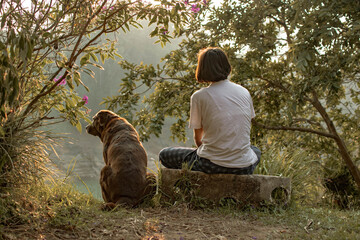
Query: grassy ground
pixel 60 212
pixel 182 223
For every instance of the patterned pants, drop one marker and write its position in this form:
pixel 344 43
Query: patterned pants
pixel 175 157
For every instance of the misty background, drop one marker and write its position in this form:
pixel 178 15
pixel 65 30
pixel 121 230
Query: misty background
pixel 79 156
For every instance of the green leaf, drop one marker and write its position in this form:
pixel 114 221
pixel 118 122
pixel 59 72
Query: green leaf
pixel 47 35
pixel 155 32
pixel 30 49
pixel 60 108
pixel 21 42
pixel 93 56
pixel 61 63
pixel 77 78
pixel 69 81
pixel 118 55
pixel 80 104
pixel 84 59
pixel 98 66
pixel 102 57
pixel 127 26
pixel 88 120
pixel 3 20
pixel 154 18
pixel 78 126
pixel 2 132
pixel 16 86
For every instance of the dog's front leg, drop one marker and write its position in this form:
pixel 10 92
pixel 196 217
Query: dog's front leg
pixel 104 175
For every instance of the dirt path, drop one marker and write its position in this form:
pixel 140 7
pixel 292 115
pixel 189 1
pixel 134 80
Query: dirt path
pixel 177 223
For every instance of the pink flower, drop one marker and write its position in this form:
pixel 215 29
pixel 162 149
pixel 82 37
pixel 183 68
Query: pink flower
pixel 186 2
pixel 63 82
pixel 205 2
pixel 194 8
pixel 164 30
pixel 85 99
pixel 105 9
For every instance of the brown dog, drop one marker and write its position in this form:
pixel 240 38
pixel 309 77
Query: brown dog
pixel 123 179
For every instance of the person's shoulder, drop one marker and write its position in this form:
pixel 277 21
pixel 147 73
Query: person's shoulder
pixel 199 95
pixel 199 92
pixel 240 89
pixel 237 85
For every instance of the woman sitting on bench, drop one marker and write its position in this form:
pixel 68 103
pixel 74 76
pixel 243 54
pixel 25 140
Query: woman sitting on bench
pixel 220 115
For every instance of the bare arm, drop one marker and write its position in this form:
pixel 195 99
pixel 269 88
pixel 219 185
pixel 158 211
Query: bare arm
pixel 198 133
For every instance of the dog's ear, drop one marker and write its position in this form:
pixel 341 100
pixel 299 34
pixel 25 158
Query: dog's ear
pixel 102 118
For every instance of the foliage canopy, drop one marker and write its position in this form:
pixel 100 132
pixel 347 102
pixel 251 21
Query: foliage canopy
pixel 45 48
pixel 299 59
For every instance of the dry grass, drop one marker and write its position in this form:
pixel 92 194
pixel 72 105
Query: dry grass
pixel 58 211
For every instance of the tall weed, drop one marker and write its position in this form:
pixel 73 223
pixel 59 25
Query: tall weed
pixel 24 155
pixel 56 202
pixel 301 167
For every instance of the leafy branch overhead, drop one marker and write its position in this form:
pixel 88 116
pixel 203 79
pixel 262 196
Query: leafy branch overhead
pixel 47 46
pixel 50 37
pixel 299 59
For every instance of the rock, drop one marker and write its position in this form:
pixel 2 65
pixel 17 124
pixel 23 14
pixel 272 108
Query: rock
pixel 217 187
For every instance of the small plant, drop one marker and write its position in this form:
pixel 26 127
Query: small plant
pixel 57 203
pixel 340 188
pixel 184 191
pixel 304 171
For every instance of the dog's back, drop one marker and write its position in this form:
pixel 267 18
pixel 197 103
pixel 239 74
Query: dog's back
pixel 123 179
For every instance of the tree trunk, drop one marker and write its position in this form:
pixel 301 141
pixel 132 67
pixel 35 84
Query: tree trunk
pixel 339 141
pixel 354 170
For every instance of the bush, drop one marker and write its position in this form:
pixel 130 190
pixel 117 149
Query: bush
pixel 57 203
pixel 300 166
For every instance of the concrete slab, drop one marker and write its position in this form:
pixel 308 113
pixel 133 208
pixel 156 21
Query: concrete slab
pixel 216 187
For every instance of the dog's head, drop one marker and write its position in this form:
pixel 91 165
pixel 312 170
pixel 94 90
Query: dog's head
pixel 100 120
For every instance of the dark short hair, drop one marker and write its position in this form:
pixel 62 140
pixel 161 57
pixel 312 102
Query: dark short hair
pixel 213 65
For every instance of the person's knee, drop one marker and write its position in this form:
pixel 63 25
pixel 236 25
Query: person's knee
pixel 165 157
pixel 163 153
pixel 257 151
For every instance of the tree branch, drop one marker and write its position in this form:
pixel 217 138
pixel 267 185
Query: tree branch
pixel 318 106
pixel 311 122
pixel 289 128
pixel 274 84
pixel 354 170
pixel 44 93
pixel 74 55
pixel 283 24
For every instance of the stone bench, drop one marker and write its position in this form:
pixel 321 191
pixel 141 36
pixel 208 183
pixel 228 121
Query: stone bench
pixel 217 187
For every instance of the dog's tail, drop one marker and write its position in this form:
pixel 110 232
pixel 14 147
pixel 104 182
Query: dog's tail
pixel 149 190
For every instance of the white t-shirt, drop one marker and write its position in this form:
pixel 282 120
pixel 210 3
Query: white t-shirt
pixel 224 110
